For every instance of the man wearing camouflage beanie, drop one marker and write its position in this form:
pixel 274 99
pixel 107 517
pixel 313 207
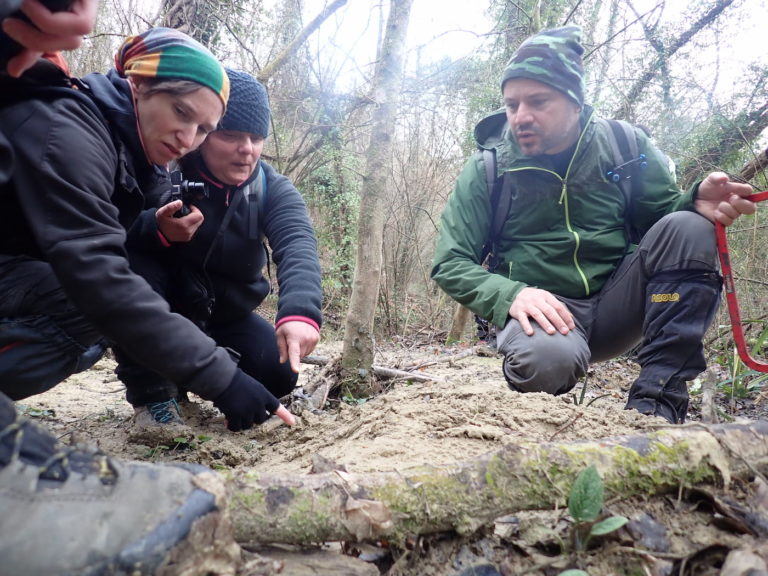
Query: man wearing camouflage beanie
pixel 215 256
pixel 582 267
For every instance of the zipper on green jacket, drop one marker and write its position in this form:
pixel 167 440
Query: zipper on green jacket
pixel 576 237
pixel 563 201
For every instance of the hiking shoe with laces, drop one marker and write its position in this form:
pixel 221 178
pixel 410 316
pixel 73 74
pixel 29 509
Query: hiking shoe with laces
pixel 158 423
pixel 196 413
pixel 72 511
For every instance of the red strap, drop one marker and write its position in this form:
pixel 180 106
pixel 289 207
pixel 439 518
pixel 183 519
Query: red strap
pixel 730 293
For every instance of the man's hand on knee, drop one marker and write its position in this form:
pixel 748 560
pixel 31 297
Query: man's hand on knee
pixel 541 306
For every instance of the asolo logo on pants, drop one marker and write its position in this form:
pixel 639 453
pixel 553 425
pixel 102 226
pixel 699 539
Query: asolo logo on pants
pixel 674 297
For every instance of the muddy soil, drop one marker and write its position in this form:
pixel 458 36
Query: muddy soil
pixel 465 410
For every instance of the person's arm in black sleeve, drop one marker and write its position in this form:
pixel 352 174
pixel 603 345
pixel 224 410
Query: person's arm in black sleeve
pixel 294 251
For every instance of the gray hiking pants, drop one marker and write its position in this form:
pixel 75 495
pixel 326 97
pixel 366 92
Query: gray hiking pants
pixel 610 322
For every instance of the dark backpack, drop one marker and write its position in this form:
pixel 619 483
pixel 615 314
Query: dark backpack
pixel 628 161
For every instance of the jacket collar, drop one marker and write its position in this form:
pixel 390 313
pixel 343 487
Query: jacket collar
pixel 114 98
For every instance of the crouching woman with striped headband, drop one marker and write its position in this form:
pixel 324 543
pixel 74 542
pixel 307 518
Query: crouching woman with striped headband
pixel 85 160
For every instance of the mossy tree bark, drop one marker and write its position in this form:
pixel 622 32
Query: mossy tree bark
pixel 462 497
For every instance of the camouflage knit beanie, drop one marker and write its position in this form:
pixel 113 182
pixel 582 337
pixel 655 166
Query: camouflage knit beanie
pixel 552 57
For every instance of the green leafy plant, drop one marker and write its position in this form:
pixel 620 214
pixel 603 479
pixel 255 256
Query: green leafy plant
pixel 742 381
pixel 30 412
pixel 179 443
pixel 349 398
pixel 585 503
pixel 107 415
pixel 152 452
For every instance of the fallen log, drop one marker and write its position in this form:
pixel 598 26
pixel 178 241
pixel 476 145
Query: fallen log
pixel 394 505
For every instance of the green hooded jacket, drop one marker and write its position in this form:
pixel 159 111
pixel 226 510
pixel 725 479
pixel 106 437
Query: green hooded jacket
pixel 564 235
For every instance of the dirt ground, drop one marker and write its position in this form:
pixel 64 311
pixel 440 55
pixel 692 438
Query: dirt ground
pixel 466 410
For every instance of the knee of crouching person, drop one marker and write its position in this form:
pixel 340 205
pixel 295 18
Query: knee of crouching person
pixel 550 375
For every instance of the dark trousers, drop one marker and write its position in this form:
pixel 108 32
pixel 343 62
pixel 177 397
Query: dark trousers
pixel 250 338
pixel 43 338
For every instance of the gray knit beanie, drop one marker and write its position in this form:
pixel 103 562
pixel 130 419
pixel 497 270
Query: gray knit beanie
pixel 552 57
pixel 248 106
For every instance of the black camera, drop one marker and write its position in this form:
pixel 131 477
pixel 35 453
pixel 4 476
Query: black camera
pixel 10 8
pixel 187 191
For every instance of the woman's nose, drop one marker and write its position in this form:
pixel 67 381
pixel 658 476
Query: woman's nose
pixel 186 137
pixel 245 146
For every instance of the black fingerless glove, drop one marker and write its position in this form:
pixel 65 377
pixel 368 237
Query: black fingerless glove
pixel 245 401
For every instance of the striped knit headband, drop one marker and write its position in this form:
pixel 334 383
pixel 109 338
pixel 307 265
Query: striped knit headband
pixel 168 53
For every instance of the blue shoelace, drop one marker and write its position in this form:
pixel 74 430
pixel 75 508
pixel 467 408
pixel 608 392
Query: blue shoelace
pixel 164 412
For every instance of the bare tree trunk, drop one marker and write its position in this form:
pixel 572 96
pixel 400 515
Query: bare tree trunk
pixel 357 354
pixel 461 317
pixel 465 496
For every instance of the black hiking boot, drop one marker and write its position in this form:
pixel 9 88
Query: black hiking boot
pixel 680 306
pixel 659 397
pixel 74 511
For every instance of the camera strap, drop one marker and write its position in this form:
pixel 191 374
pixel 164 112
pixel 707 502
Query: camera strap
pixel 239 194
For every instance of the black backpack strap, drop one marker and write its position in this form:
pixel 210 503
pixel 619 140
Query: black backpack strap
pixel 624 134
pixel 500 196
pixel 489 161
pixel 256 196
pixel 627 159
pixel 624 148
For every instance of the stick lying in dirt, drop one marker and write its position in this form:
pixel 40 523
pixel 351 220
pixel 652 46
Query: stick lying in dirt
pixel 462 497
pixel 379 370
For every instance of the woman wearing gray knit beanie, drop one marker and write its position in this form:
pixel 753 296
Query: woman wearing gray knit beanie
pixel 209 263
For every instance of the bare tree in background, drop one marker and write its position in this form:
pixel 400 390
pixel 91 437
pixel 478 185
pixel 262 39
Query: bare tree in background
pixel 663 51
pixel 201 19
pixel 357 353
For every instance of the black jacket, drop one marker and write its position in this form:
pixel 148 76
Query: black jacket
pixel 237 259
pixel 79 181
